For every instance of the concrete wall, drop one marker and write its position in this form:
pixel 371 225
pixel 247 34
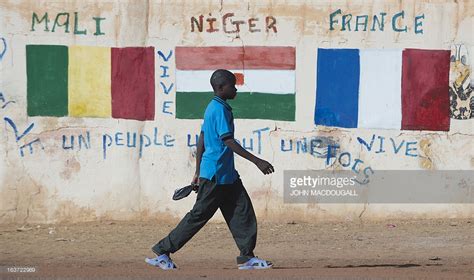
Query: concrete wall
pixel 44 178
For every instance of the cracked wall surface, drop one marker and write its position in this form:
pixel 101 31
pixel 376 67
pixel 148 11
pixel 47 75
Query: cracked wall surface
pixel 70 168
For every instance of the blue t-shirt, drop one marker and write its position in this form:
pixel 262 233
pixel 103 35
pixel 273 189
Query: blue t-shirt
pixel 218 159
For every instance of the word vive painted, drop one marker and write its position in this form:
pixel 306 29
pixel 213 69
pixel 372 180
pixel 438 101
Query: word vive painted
pixel 348 22
pixel 166 85
pixel 90 81
pixel 405 89
pixel 230 25
pixel 62 20
pixel 265 79
pixel 377 145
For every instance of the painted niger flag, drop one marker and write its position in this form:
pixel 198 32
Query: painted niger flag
pixel 265 81
pixel 79 81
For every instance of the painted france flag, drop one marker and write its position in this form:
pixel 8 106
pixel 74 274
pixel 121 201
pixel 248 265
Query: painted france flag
pixel 389 89
pixel 265 81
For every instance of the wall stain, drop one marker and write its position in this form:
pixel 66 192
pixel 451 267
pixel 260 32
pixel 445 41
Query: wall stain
pixel 72 166
pixel 426 155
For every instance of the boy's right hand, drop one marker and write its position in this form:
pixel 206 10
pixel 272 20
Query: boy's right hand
pixel 264 166
pixel 195 180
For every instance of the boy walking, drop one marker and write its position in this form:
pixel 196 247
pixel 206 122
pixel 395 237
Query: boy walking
pixel 220 186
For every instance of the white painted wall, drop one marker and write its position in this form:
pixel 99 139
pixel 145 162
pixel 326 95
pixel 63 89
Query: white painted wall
pixel 54 184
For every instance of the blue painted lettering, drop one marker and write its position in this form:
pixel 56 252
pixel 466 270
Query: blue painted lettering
pixel 166 90
pixel 408 151
pixel 165 58
pixel 381 150
pixel 363 23
pixel 380 22
pixel 362 141
pixel 166 106
pixel 145 141
pixel 169 140
pixel 394 22
pixel 396 148
pixel 283 145
pixel 419 24
pixel 196 138
pixel 259 138
pixel 348 163
pixel 106 142
pixel 165 71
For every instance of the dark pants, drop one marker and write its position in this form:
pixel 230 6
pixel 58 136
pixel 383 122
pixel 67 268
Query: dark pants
pixel 236 208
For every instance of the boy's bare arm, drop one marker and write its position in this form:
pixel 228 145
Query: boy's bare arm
pixel 199 152
pixel 263 165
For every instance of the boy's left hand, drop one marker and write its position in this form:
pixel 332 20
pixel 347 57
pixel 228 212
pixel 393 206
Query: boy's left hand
pixel 264 166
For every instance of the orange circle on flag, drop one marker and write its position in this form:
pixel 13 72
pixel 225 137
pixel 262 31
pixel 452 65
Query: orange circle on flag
pixel 239 79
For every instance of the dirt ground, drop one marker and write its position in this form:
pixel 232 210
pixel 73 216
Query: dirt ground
pixel 422 249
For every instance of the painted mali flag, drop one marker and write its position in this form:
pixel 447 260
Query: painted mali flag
pixel 389 89
pixel 265 81
pixel 99 82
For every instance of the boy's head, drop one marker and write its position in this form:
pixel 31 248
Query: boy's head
pixel 223 84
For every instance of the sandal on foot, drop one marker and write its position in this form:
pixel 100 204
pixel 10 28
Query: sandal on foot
pixel 162 261
pixel 255 263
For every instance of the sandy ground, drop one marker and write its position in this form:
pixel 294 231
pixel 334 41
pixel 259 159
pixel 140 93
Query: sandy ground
pixel 426 249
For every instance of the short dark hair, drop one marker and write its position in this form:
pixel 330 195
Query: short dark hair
pixel 220 77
